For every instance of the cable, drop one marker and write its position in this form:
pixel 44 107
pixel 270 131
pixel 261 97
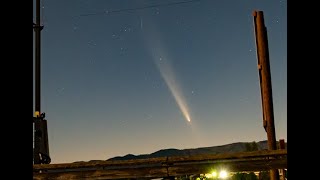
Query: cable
pixel 139 8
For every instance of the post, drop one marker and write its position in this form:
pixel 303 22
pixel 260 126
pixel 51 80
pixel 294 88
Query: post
pixel 282 145
pixel 37 29
pixel 41 145
pixel 265 83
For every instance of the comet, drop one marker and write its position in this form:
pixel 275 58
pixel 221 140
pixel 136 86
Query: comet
pixel 169 77
pixel 162 61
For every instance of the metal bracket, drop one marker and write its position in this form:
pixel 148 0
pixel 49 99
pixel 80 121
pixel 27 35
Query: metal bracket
pixel 37 26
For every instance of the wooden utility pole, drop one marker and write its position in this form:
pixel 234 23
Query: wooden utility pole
pixel 41 145
pixel 265 84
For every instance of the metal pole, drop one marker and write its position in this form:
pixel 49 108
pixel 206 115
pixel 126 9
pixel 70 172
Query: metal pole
pixel 41 145
pixel 265 84
pixel 37 30
pixel 37 141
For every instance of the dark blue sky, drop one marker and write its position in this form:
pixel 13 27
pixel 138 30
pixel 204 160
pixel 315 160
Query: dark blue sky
pixel 124 82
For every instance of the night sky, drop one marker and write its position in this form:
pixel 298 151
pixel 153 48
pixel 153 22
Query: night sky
pixel 126 76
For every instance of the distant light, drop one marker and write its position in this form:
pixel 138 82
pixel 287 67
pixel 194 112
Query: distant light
pixel 37 113
pixel 223 174
pixel 213 174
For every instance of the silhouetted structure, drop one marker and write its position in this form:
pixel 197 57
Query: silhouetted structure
pixel 41 145
pixel 265 83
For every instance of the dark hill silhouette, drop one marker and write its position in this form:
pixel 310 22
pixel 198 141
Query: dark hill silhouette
pixel 228 148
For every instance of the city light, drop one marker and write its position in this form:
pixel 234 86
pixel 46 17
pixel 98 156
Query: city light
pixel 223 174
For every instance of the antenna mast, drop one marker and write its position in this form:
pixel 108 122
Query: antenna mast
pixel 41 145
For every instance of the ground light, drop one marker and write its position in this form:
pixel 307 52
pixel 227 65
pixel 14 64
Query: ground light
pixel 213 174
pixel 223 174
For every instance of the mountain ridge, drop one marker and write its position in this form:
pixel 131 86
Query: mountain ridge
pixel 227 148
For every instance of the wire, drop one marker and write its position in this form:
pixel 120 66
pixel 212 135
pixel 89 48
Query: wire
pixel 139 8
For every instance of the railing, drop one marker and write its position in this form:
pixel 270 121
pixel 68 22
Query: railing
pixel 164 166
